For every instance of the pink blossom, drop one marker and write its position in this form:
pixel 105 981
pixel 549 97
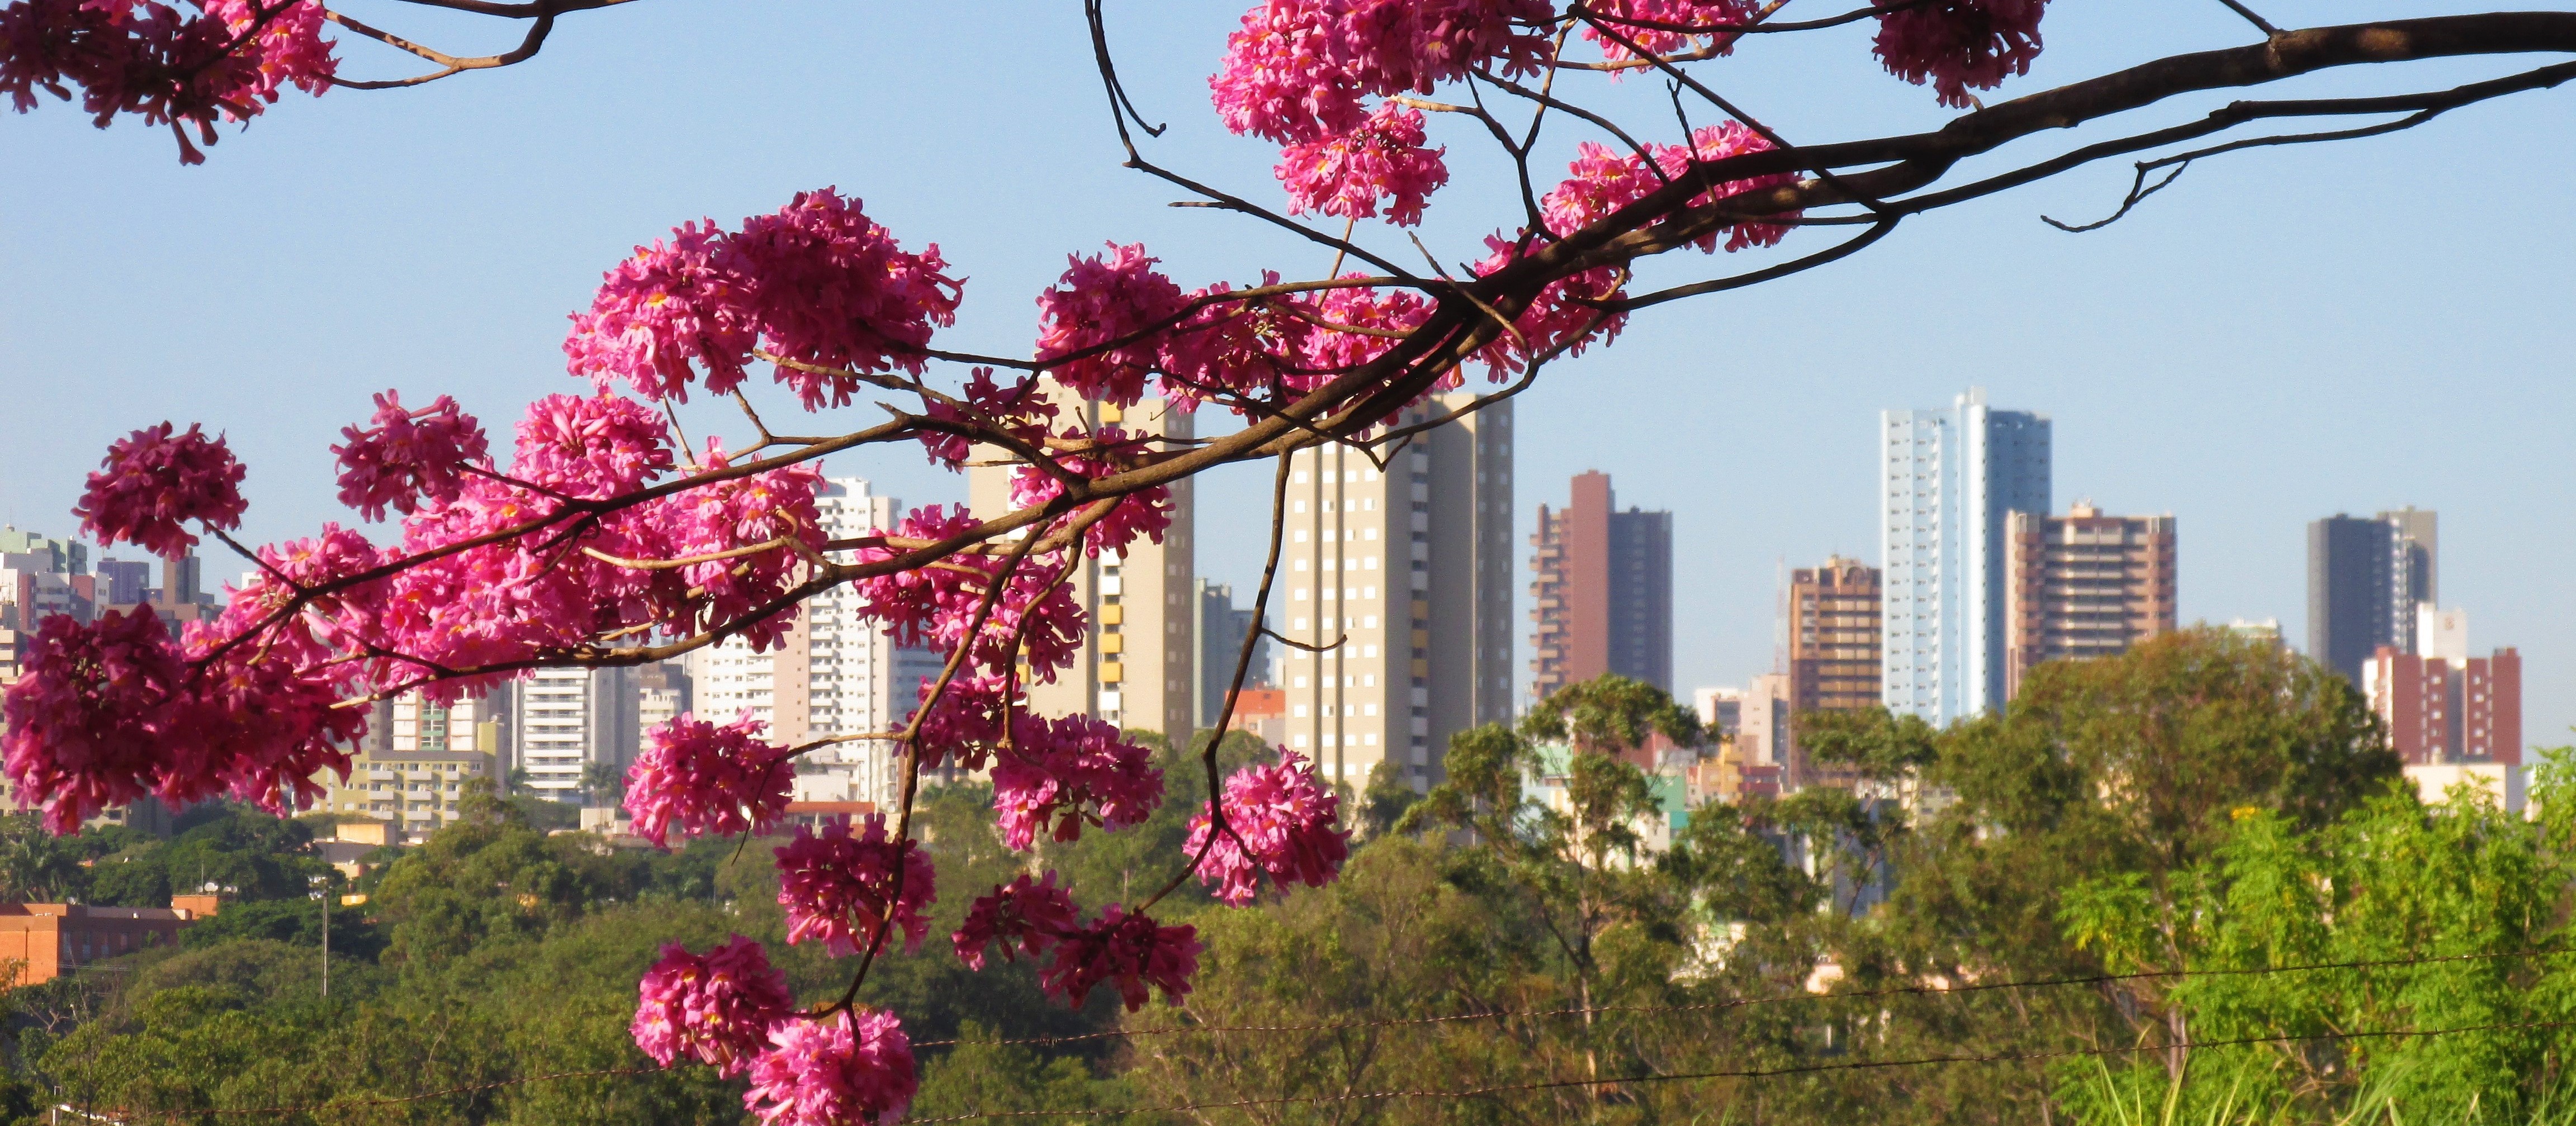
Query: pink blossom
pixel 153 482
pixel 289 50
pixel 1284 817
pixel 1067 771
pixel 936 606
pixel 255 727
pixel 1147 512
pixel 407 454
pixel 772 508
pixel 963 729
pixel 1603 181
pixel 830 288
pixel 659 312
pixel 1346 174
pixel 1556 318
pixel 1027 917
pixel 1664 41
pixel 1100 300
pixel 1329 351
pixel 1129 951
pixel 591 446
pixel 697 778
pixel 1958 44
pixel 1297 69
pixel 83 734
pixel 718 1008
pixel 1021 408
pixel 836 886
pixel 846 1068
pixel 816 282
pixel 326 626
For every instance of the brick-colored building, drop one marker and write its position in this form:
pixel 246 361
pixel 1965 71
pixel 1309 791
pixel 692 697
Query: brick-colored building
pixel 1604 592
pixel 2084 585
pixel 1834 648
pixel 2448 709
pixel 43 941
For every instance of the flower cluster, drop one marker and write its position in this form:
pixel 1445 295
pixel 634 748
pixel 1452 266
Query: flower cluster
pixel 699 778
pixel 405 454
pixel 591 446
pixel 1656 25
pixel 846 1068
pixel 937 605
pixel 1022 409
pixel 717 1008
pixel 1105 319
pixel 1130 952
pixel 1348 173
pixel 838 888
pixel 1063 772
pixel 1602 181
pixel 154 481
pixel 1283 818
pixel 147 58
pixel 1028 917
pixel 817 284
pixel 1959 44
pixel 1297 69
pixel 1146 513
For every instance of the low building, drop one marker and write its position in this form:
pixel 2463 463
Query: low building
pixel 43 941
pixel 413 792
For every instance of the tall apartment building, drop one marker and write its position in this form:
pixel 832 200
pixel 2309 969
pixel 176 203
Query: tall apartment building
pixel 566 720
pixel 2086 585
pixel 1401 577
pixel 1948 482
pixel 1139 669
pixel 835 672
pixel 1604 592
pixel 2365 578
pixel 2443 706
pixel 1834 640
pixel 1219 627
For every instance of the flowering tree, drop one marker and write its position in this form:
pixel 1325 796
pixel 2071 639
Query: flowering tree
pixel 605 538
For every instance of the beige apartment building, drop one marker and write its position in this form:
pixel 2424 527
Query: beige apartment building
pixel 415 791
pixel 1402 577
pixel 2084 585
pixel 1138 668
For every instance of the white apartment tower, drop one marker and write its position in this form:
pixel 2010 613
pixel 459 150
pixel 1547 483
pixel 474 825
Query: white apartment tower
pixel 834 673
pixel 1949 480
pixel 1402 577
pixel 1139 668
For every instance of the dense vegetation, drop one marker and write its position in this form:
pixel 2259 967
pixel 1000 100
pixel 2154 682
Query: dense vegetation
pixel 2203 803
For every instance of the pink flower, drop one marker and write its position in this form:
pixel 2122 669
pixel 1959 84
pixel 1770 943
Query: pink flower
pixel 1329 352
pixel 1664 41
pixel 846 1068
pixel 936 606
pixel 705 523
pixel 289 50
pixel 83 731
pixel 1145 513
pixel 1556 317
pixel 1027 918
pixel 1068 771
pixel 406 455
pixel 1604 181
pixel 144 58
pixel 1021 408
pixel 1284 816
pixel 837 887
pixel 1957 44
pixel 1103 300
pixel 662 310
pixel 815 282
pixel 154 482
pixel 1346 174
pixel 1129 951
pixel 591 446
pixel 697 778
pixel 829 287
pixel 1296 71
pixel 718 1008
pixel 255 726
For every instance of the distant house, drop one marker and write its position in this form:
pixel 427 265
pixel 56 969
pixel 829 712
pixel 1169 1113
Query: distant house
pixel 46 940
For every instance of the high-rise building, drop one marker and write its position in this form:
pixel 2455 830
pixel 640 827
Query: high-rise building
pixel 570 720
pixel 1833 648
pixel 1401 577
pixel 1604 593
pixel 1220 627
pixel 1948 481
pixel 1139 667
pixel 128 582
pixel 2442 706
pixel 63 557
pixel 2085 585
pixel 2365 578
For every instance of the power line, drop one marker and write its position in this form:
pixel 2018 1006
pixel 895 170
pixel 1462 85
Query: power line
pixel 1743 1002
pixel 1738 1073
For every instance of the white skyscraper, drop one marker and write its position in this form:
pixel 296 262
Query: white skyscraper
pixel 835 673
pixel 1948 481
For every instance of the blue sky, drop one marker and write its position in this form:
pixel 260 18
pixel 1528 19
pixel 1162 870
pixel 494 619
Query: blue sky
pixel 2281 335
